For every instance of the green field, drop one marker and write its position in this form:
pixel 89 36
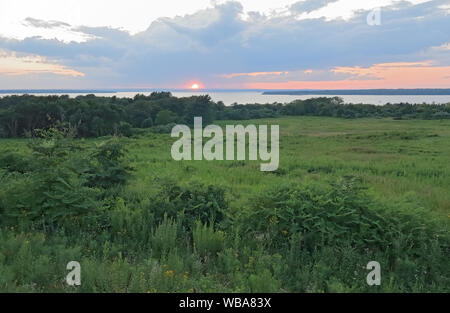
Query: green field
pixel 347 191
pixel 396 159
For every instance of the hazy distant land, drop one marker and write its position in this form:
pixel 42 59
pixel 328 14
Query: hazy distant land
pixel 245 96
pixel 334 92
pixel 368 92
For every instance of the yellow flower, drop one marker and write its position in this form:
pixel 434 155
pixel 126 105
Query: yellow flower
pixel 169 273
pixel 285 232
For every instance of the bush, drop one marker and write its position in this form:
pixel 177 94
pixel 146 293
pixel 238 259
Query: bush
pixel 109 168
pixel 164 237
pixel 51 192
pixel 192 203
pixel 207 241
pixel 15 162
pixel 339 215
pixel 263 282
pixel 163 129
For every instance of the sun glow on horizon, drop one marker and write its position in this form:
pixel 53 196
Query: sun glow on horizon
pixel 195 86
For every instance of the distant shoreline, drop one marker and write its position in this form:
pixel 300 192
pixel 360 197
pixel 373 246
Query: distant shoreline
pixel 230 97
pixel 93 91
pixel 303 92
pixel 365 92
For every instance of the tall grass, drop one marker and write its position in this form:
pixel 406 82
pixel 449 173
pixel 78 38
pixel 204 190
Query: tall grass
pixel 347 192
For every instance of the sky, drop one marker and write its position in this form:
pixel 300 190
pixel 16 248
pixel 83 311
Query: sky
pixel 247 44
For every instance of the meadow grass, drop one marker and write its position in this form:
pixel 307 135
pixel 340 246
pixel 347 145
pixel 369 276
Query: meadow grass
pixel 396 159
pixel 404 164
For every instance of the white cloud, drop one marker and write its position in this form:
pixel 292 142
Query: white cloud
pixel 215 41
pixel 445 7
pixel 136 15
pixel 346 9
pixel 130 15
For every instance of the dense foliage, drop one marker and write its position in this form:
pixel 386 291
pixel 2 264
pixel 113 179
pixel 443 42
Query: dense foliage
pixel 92 116
pixel 134 230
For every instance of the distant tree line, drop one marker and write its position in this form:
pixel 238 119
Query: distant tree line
pixel 93 116
pixel 381 92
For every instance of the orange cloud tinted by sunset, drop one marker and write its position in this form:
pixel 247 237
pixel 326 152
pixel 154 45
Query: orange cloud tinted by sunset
pixel 253 74
pixel 11 64
pixel 384 75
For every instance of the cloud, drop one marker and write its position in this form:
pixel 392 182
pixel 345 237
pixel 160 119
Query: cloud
pixel 13 64
pixel 254 74
pixel 29 21
pixel 289 76
pixel 309 5
pixel 41 29
pixel 443 47
pixel 401 72
pixel 219 48
pixel 384 75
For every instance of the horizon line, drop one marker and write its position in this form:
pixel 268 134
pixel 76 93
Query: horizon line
pixel 205 89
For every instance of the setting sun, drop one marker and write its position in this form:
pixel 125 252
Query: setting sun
pixel 195 86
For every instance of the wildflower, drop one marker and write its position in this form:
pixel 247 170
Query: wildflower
pixel 169 273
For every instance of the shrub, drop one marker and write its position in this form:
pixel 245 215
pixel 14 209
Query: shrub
pixel 15 162
pixel 164 237
pixel 53 192
pixel 263 282
pixel 195 202
pixel 110 169
pixel 163 129
pixel 207 241
pixel 338 215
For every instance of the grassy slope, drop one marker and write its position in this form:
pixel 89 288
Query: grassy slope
pixel 405 161
pixel 397 159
